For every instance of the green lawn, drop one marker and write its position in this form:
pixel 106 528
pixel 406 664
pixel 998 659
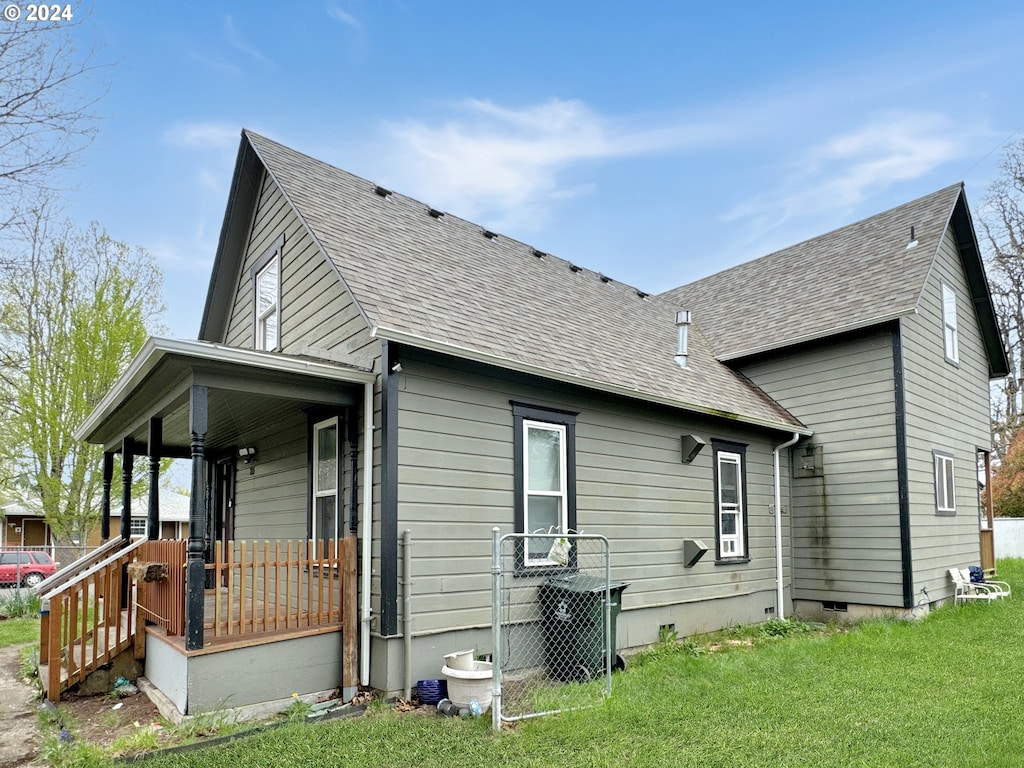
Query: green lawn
pixel 945 691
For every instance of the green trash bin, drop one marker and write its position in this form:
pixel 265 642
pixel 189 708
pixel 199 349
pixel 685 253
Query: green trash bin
pixel 572 613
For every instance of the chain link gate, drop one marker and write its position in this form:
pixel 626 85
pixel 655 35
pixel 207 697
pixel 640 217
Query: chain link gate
pixel 553 623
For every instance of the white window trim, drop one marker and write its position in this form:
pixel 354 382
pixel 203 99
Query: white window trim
pixel 137 526
pixel 562 493
pixel 730 545
pixel 322 493
pixel 950 331
pixel 945 502
pixel 274 310
pixel 270 258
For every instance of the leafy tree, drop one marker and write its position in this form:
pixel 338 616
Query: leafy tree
pixel 1008 481
pixel 74 309
pixel 1002 222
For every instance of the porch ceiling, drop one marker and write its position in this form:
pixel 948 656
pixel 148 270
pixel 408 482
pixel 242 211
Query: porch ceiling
pixel 248 390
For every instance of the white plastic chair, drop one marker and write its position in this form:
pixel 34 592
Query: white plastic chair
pixel 967 590
pixel 1000 588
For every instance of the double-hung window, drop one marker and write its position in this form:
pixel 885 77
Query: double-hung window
pixel 267 290
pixel 945 487
pixel 545 478
pixel 951 338
pixel 138 526
pixel 730 500
pixel 325 480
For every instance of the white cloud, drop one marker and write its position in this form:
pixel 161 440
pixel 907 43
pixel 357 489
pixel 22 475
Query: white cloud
pixel 843 171
pixel 336 12
pixel 203 136
pixel 239 43
pixel 506 163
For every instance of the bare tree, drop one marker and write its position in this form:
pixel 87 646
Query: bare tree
pixel 1002 222
pixel 47 97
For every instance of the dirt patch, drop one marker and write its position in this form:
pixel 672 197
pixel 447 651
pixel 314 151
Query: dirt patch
pixel 102 720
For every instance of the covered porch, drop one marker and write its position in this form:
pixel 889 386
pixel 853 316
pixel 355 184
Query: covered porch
pixel 268 575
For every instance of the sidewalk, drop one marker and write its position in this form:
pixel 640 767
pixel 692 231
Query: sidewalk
pixel 19 734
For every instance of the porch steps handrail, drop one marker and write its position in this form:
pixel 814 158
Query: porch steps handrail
pixel 85 574
pixel 70 571
pixel 87 621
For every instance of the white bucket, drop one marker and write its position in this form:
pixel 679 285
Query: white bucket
pixel 460 659
pixel 466 685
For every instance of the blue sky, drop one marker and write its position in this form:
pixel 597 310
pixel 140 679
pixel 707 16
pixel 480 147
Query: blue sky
pixel 654 142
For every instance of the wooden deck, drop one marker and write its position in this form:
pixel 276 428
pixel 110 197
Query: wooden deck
pixel 266 592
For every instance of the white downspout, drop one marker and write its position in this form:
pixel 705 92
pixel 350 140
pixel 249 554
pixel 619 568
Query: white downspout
pixel 778 524
pixel 367 544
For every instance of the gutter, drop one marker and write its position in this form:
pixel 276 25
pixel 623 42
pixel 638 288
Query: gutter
pixel 367 543
pixel 781 613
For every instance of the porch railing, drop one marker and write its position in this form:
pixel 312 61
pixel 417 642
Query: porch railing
pixel 87 619
pixel 162 601
pixel 264 586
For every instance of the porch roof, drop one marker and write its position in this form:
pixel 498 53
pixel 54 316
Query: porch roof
pixel 158 382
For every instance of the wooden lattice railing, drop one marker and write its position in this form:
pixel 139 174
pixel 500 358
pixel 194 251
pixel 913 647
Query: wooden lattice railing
pixel 279 586
pixel 87 619
pixel 162 602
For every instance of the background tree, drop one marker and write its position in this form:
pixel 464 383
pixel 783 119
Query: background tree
pixel 1002 225
pixel 75 307
pixel 1008 481
pixel 48 88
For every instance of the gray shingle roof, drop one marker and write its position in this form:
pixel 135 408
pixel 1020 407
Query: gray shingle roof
pixel 442 283
pixel 853 277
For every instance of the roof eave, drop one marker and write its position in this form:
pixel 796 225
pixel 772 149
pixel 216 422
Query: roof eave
pixel 157 349
pixel 466 353
pixel 811 337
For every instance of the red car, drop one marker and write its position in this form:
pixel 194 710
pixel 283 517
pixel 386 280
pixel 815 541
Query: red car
pixel 30 566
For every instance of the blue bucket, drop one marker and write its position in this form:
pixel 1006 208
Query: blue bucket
pixel 431 691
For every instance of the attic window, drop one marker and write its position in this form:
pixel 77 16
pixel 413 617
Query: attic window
pixel 490 235
pixel 266 277
pixel 951 335
pixel 383 192
pixel 435 213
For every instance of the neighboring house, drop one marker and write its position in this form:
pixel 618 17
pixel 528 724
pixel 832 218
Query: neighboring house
pixel 369 365
pixel 23 526
pixel 173 514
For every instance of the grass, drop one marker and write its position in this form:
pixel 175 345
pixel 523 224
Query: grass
pixel 938 692
pixel 19 631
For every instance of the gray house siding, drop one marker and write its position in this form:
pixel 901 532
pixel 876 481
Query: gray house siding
pixel 845 523
pixel 318 316
pixel 456 480
pixel 271 502
pixel 948 411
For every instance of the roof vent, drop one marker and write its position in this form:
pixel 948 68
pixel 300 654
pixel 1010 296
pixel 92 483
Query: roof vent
pixel 382 191
pixel 490 235
pixel 605 278
pixel 539 254
pixel 913 240
pixel 574 268
pixel 683 326
pixel 435 213
pixel 642 294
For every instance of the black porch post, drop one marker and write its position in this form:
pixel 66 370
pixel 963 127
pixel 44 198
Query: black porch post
pixel 108 477
pixel 127 459
pixel 155 450
pixel 195 575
